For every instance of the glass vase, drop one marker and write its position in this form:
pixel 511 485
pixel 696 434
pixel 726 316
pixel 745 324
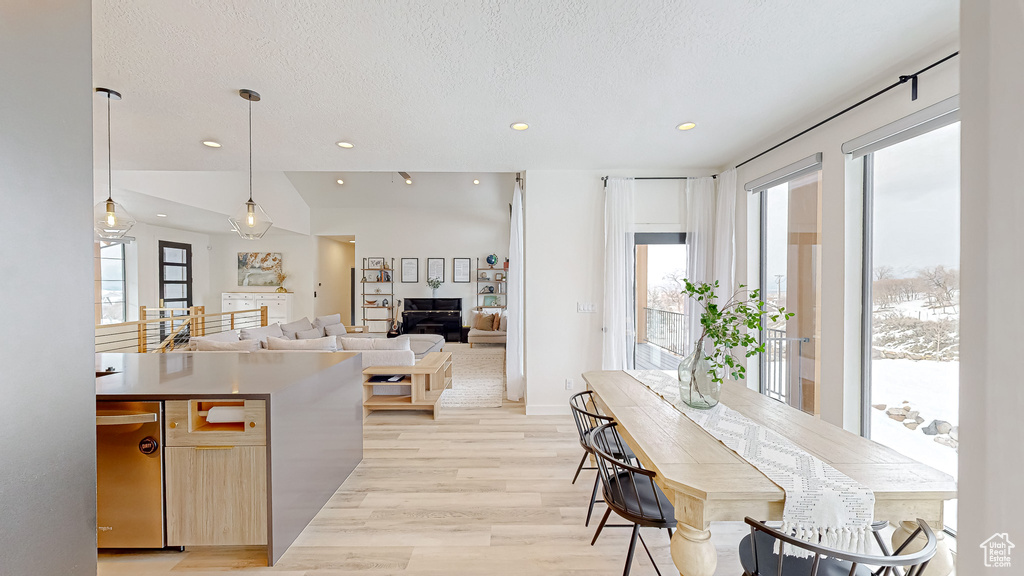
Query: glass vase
pixel 696 387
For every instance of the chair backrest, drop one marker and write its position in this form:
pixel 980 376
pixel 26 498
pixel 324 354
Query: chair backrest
pixel 585 414
pixel 628 488
pixel 914 563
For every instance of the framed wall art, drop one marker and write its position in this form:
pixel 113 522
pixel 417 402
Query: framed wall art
pixel 461 269
pixel 410 270
pixel 435 268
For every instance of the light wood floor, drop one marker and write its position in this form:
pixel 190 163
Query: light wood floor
pixel 481 491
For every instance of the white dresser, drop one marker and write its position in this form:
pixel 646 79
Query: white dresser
pixel 279 305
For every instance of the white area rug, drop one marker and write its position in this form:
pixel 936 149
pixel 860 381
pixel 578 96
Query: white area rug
pixel 478 377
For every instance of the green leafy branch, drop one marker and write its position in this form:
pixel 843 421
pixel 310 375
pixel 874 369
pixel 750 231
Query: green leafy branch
pixel 730 327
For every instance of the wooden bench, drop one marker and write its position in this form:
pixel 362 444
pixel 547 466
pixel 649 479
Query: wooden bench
pixel 427 379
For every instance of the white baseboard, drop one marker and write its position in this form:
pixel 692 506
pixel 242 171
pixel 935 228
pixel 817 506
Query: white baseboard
pixel 547 410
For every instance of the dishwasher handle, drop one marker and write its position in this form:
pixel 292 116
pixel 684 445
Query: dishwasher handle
pixel 119 419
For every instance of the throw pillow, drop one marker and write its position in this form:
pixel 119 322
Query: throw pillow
pixel 261 334
pixel 355 343
pixel 484 322
pixel 503 325
pixel 391 343
pixel 238 346
pixel 324 321
pixel 335 330
pixel 309 334
pixel 291 328
pixel 497 322
pixel 326 343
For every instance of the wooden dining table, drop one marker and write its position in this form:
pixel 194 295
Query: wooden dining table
pixel 707 482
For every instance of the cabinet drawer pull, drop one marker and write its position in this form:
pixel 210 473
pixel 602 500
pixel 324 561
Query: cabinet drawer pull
pixel 214 447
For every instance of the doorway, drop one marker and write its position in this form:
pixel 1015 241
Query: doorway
pixel 660 260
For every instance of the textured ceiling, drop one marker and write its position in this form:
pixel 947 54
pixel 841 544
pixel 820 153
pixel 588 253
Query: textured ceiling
pixel 433 85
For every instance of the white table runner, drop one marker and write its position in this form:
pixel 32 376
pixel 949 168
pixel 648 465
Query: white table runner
pixel 823 506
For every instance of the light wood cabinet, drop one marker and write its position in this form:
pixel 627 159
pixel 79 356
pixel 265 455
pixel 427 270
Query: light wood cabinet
pixel 216 474
pixel 216 495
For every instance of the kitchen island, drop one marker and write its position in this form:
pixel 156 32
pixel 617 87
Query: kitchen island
pixel 252 445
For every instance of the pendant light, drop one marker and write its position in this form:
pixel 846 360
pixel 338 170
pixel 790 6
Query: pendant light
pixel 110 220
pixel 251 221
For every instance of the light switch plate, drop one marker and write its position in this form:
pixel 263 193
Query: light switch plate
pixel 568 383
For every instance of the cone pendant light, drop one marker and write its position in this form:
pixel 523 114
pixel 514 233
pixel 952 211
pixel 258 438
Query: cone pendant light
pixel 250 221
pixel 110 220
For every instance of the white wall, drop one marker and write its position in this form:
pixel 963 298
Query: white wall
pixel 47 432
pixel 142 267
pixel 442 215
pixel 841 213
pixel 222 192
pixel 992 208
pixel 564 241
pixel 298 253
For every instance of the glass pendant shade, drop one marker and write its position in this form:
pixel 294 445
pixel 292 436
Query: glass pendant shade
pixel 250 221
pixel 111 220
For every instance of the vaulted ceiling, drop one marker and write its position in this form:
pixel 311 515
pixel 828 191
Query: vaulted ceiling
pixel 433 85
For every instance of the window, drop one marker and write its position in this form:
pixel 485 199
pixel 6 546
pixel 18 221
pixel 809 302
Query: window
pixel 111 305
pixel 660 270
pixel 790 276
pixel 175 283
pixel 911 285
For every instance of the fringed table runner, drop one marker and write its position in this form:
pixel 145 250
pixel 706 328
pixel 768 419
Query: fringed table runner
pixel 823 506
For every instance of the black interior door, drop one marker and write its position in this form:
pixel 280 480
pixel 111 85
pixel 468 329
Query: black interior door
pixel 175 280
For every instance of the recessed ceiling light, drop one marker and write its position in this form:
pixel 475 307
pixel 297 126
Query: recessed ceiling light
pixel 687 126
pixel 520 126
pixel 476 181
pixel 161 215
pixel 211 143
pixel 346 145
pixel 340 181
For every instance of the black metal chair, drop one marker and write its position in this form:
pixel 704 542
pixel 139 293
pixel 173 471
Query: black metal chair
pixel 629 490
pixel 587 418
pixel 758 556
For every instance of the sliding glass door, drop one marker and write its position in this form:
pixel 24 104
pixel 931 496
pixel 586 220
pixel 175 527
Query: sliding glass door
pixel 790 277
pixel 912 288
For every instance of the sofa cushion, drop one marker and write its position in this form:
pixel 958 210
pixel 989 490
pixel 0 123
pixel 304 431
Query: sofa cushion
pixel 335 330
pixel 325 321
pixel 327 343
pixel 226 336
pixel 313 332
pixel 484 322
pixel 261 334
pixel 204 345
pixel 355 343
pixel 503 325
pixel 497 321
pixel 291 328
pixel 401 343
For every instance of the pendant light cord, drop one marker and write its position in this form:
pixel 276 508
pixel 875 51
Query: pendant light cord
pixel 109 173
pixel 250 148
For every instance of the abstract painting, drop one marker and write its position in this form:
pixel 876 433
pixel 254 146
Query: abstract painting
pixel 260 269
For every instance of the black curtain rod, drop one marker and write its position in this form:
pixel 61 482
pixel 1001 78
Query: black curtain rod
pixel 903 80
pixel 605 178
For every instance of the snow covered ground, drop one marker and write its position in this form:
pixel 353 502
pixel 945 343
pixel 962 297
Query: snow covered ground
pixel 932 388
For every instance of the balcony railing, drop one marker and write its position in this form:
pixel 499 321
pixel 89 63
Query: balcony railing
pixel 780 367
pixel 666 330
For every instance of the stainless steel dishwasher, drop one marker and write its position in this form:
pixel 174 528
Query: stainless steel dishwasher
pixel 129 475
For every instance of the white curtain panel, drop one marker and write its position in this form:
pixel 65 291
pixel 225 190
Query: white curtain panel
pixel 514 286
pixel 619 310
pixel 725 234
pixel 700 246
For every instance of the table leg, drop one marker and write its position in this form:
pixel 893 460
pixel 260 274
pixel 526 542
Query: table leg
pixel 692 551
pixel 942 563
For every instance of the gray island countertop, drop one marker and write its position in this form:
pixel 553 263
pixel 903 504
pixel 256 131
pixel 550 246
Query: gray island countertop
pixel 314 416
pixel 178 376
